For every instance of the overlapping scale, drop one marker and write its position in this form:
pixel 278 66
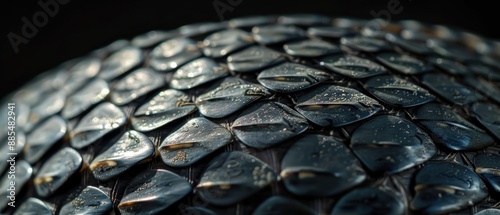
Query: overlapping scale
pixel 310 48
pixel 369 201
pixel 352 66
pixel 273 34
pixel 196 73
pixel 451 130
pixel 120 62
pixel 136 84
pixel 152 191
pixel 396 91
pixel 253 58
pixel 404 64
pixel 230 96
pixel 132 148
pixel 91 201
pixel 193 141
pixel 34 206
pixel 173 53
pixel 290 77
pixel 318 165
pixel 165 107
pixel 330 105
pixel 56 171
pixel 102 120
pixel 391 144
pixel 232 177
pixel 443 187
pixel 268 123
pixel 225 42
pixel 450 89
pixel 95 92
pixel 41 139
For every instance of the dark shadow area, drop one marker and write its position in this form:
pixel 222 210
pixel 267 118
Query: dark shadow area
pixel 75 28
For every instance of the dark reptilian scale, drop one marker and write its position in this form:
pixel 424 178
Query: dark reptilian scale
pixel 310 48
pixel 488 115
pixel 232 177
pixel 369 201
pixel 345 106
pixel 23 173
pixel 350 23
pixel 391 144
pixel 91 201
pixel 93 93
pixel 485 71
pixel 329 105
pixel 77 75
pixel 201 28
pixel 132 148
pixel 151 38
pixel 451 130
pixel 442 187
pixel 230 96
pixel 379 30
pixel 195 73
pixel 404 64
pixel 365 44
pixel 318 165
pixel 250 21
pixel 276 205
pixel 290 77
pixel 120 62
pixel 110 48
pixel 413 47
pixel 352 66
pixel 449 66
pixel 135 85
pixel 198 211
pixel 450 89
pixel 56 171
pixel 268 123
pixel 196 139
pixel 486 88
pixel 50 104
pixel 253 58
pixel 163 108
pixel 451 50
pixel 35 90
pixel 34 206
pixel 102 120
pixel 330 32
pixel 273 34
pixel 488 166
pixel 304 20
pixel 152 191
pixel 222 43
pixel 173 53
pixel 491 60
pixel 397 91
pixel 43 137
pixel 488 212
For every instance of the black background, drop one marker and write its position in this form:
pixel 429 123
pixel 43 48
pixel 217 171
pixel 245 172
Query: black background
pixel 82 26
